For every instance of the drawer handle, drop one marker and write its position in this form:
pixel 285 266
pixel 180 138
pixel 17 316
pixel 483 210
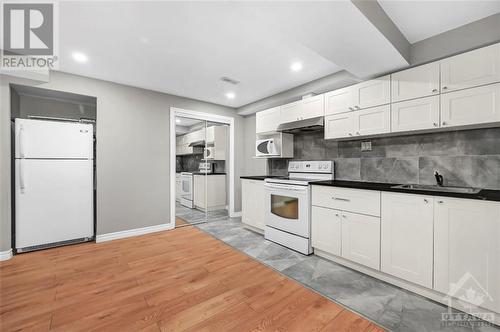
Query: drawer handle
pixel 341 199
pixel 434 90
pixel 426 201
pixel 445 88
pixel 435 124
pixel 440 202
pixel 444 123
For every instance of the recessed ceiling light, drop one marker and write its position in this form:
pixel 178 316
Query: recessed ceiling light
pixel 230 95
pixel 296 66
pixel 177 120
pixel 80 57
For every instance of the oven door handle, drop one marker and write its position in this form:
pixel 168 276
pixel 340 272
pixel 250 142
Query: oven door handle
pixel 286 187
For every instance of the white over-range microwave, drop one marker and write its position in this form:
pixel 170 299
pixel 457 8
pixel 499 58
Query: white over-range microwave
pixel 267 147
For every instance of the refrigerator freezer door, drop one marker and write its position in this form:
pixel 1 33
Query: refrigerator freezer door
pixel 52 139
pixel 54 201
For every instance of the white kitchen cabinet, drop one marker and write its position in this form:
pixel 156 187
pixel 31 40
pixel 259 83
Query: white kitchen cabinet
pixel 407 237
pixel 209 194
pixel 471 106
pixel 415 114
pixel 467 249
pixel 313 107
pixel 291 112
pixel 371 121
pixel 415 82
pixel 361 239
pixel 326 230
pixel 339 125
pixel 372 93
pixel 347 199
pixel 470 69
pixel 178 185
pixel 252 202
pixel 339 101
pixel 268 120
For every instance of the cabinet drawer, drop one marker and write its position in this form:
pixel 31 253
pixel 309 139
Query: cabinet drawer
pixel 345 199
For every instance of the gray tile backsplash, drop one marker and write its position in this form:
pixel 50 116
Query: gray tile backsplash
pixel 465 158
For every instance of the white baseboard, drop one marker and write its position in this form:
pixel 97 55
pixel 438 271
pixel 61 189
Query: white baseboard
pixel 5 255
pixel 133 232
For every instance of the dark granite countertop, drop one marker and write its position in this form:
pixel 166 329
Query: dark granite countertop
pixel 485 194
pixel 215 173
pixel 258 177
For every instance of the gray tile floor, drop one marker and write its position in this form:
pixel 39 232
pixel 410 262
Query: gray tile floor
pixel 195 216
pixel 392 307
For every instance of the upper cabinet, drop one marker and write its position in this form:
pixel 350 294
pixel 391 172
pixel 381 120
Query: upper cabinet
pixel 415 82
pixel 370 121
pixel 372 93
pixel 268 120
pixel 306 108
pixel 339 101
pixel 478 67
pixel 471 106
pixel 359 96
pixel 415 114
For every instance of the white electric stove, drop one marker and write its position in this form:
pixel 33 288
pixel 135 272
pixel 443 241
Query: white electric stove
pixel 288 207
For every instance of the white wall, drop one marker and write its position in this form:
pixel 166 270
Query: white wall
pixel 132 151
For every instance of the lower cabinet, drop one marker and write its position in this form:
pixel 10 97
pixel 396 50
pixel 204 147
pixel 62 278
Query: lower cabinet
pixel 209 194
pixel 326 230
pixel 361 239
pixel 467 250
pixel 252 203
pixel 407 237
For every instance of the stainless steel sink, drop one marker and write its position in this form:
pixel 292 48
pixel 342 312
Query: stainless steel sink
pixel 461 190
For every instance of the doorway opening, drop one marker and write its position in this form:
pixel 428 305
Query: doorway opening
pixel 202 155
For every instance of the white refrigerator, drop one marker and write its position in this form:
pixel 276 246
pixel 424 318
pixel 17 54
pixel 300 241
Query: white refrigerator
pixel 53 183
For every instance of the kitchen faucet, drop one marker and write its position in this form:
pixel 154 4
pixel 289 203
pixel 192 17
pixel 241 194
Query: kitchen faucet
pixel 439 178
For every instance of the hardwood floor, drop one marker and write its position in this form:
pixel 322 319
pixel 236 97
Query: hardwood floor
pixel 180 280
pixel 180 222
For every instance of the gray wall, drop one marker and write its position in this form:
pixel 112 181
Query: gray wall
pixel 132 151
pixel 465 158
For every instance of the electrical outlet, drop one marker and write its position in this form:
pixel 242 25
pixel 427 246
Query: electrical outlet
pixel 366 146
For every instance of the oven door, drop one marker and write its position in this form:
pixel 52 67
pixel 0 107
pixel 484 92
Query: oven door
pixel 287 208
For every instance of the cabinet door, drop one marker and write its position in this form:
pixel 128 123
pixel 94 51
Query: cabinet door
pixel 361 239
pixel 313 107
pixel 326 230
pixel 268 120
pixel 471 106
pixel 339 125
pixel 252 192
pixel 467 249
pixel 372 93
pixel 339 101
pixel 407 237
pixel 416 114
pixel 199 197
pixel 478 67
pixel 371 121
pixel 415 82
pixel 291 112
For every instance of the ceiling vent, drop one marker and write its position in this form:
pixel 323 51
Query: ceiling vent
pixel 229 80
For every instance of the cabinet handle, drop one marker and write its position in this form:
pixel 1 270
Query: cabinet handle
pixel 357 133
pixel 445 88
pixel 435 124
pixel 357 107
pixel 426 201
pixel 444 123
pixel 336 214
pixel 341 199
pixel 352 109
pixel 350 134
pixel 344 216
pixel 434 90
pixel 440 202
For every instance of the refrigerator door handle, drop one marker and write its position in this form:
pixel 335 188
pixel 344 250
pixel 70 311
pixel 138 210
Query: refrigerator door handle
pixel 21 142
pixel 22 184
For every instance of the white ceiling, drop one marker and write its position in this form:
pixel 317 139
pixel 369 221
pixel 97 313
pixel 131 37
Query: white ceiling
pixel 418 20
pixel 183 48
